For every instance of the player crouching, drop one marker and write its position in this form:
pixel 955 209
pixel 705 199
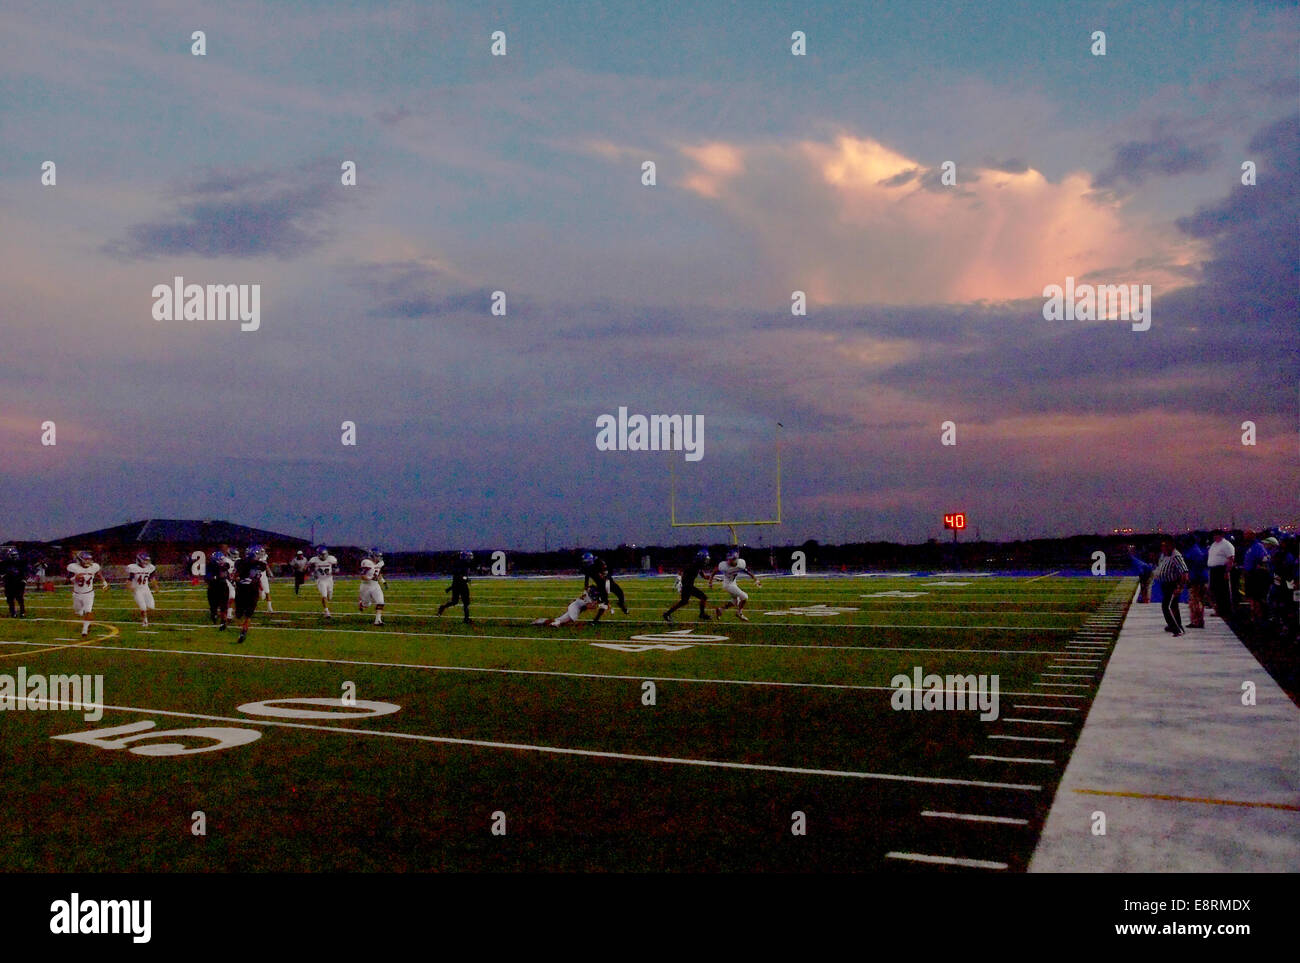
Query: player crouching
pixel 140 574
pixel 81 573
pixel 372 583
pixel 729 570
pixel 592 597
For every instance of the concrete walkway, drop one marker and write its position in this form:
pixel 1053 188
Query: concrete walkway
pixel 1168 721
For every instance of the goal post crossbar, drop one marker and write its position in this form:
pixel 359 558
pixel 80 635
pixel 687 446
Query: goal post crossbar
pixel 732 525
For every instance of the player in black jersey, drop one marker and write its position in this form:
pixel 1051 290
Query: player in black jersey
pixel 218 588
pixel 14 571
pixel 595 571
pixel 248 586
pixel 459 587
pixel 693 570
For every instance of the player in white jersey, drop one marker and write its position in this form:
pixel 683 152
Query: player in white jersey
pixel 322 567
pixel 593 597
pixel 264 584
pixel 372 583
pixel 139 574
pixel 729 570
pixel 233 557
pixel 81 573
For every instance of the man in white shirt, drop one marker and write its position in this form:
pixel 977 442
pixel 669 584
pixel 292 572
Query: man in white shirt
pixel 140 573
pixel 731 568
pixel 81 573
pixel 1219 563
pixel 372 582
pixel 322 566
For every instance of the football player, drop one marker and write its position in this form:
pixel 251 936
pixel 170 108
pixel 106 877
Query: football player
pixel 139 574
pixel 322 566
pixel 592 597
pixel 248 586
pixel 264 585
pixel 233 556
pixel 14 570
pixel 372 582
pixel 81 573
pixel 686 585
pixel 595 570
pixel 729 570
pixel 218 587
pixel 459 587
pixel 299 566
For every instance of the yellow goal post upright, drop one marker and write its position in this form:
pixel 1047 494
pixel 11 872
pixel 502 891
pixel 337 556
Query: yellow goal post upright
pixel 731 526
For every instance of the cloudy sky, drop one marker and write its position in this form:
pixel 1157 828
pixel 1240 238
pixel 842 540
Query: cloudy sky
pixel 523 173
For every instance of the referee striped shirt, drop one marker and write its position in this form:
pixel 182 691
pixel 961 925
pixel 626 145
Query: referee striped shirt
pixel 1170 568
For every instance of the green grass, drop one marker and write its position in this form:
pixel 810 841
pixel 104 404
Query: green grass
pixel 789 691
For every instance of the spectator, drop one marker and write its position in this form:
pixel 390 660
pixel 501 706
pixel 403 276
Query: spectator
pixel 1197 577
pixel 1255 576
pixel 1171 573
pixel 1218 562
pixel 1143 570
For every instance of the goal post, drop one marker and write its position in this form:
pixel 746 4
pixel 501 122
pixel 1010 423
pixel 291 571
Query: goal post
pixel 731 525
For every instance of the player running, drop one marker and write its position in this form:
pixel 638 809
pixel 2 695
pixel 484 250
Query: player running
pixel 729 570
pixel 459 587
pixel 594 570
pixel 322 567
pixel 81 573
pixel 299 566
pixel 139 574
pixel 248 586
pixel 593 597
pixel 372 582
pixel 218 587
pixel 233 555
pixel 264 584
pixel 686 585
pixel 14 571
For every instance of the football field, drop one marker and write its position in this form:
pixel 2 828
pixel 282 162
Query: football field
pixel 427 744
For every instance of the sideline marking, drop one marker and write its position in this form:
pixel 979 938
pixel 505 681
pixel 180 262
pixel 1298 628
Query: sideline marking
pixel 1192 799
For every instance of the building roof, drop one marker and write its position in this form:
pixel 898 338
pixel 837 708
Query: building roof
pixel 156 531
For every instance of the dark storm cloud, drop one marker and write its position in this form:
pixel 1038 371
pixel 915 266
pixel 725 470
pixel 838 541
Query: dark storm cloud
pixel 1167 155
pixel 239 214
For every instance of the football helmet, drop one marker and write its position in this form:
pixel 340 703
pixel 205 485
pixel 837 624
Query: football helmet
pixel 85 558
pixel 588 558
pixel 142 558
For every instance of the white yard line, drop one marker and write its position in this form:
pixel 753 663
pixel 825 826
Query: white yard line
pixel 947 860
pixel 559 750
pixel 976 818
pixel 501 671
